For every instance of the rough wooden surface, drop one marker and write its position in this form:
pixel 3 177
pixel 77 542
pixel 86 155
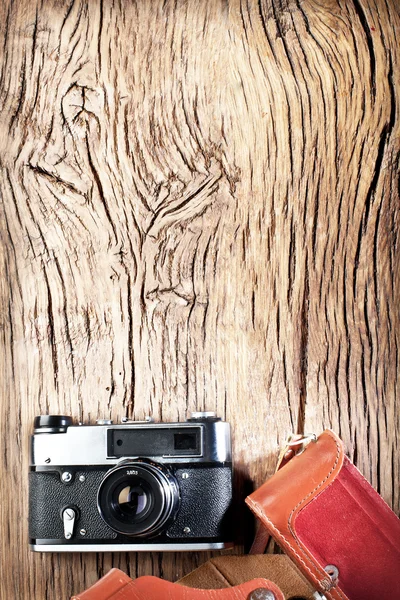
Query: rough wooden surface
pixel 199 209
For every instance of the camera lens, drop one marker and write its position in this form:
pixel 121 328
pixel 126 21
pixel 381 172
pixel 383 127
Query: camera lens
pixel 138 498
pixel 132 500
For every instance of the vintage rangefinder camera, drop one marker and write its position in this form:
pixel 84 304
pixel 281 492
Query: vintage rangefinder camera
pixel 130 486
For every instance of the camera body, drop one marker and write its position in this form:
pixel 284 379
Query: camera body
pixel 134 486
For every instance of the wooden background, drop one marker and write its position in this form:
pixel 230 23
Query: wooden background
pixel 199 209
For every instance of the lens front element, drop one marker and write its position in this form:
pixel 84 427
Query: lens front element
pixel 138 497
pixel 132 500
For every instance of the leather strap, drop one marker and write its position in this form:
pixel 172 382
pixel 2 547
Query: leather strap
pixel 118 586
pixel 261 540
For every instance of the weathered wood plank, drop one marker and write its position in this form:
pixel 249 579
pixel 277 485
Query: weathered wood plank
pixel 200 209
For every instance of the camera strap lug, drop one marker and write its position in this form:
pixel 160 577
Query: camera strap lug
pixel 69 518
pixel 295 445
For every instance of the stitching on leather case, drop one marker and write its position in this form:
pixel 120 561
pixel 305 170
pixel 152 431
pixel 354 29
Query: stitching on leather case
pixel 333 469
pixel 279 534
pixel 335 464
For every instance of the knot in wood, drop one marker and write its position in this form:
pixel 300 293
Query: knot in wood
pixel 81 104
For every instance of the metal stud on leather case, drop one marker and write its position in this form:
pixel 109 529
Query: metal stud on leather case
pixel 118 586
pixel 332 523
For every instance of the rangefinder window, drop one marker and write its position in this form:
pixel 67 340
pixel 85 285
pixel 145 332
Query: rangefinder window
pixel 186 441
pixel 163 442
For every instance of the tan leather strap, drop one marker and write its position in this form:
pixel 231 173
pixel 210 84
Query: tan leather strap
pixel 227 571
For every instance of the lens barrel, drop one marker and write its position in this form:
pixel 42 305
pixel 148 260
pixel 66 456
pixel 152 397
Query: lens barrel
pixel 138 497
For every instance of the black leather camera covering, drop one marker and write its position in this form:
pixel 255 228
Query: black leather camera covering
pixel 48 496
pixel 206 496
pixel 205 500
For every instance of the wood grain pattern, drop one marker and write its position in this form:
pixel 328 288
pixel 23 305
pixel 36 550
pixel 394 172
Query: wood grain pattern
pixel 199 209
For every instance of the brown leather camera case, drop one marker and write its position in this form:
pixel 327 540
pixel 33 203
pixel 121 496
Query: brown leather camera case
pixel 332 523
